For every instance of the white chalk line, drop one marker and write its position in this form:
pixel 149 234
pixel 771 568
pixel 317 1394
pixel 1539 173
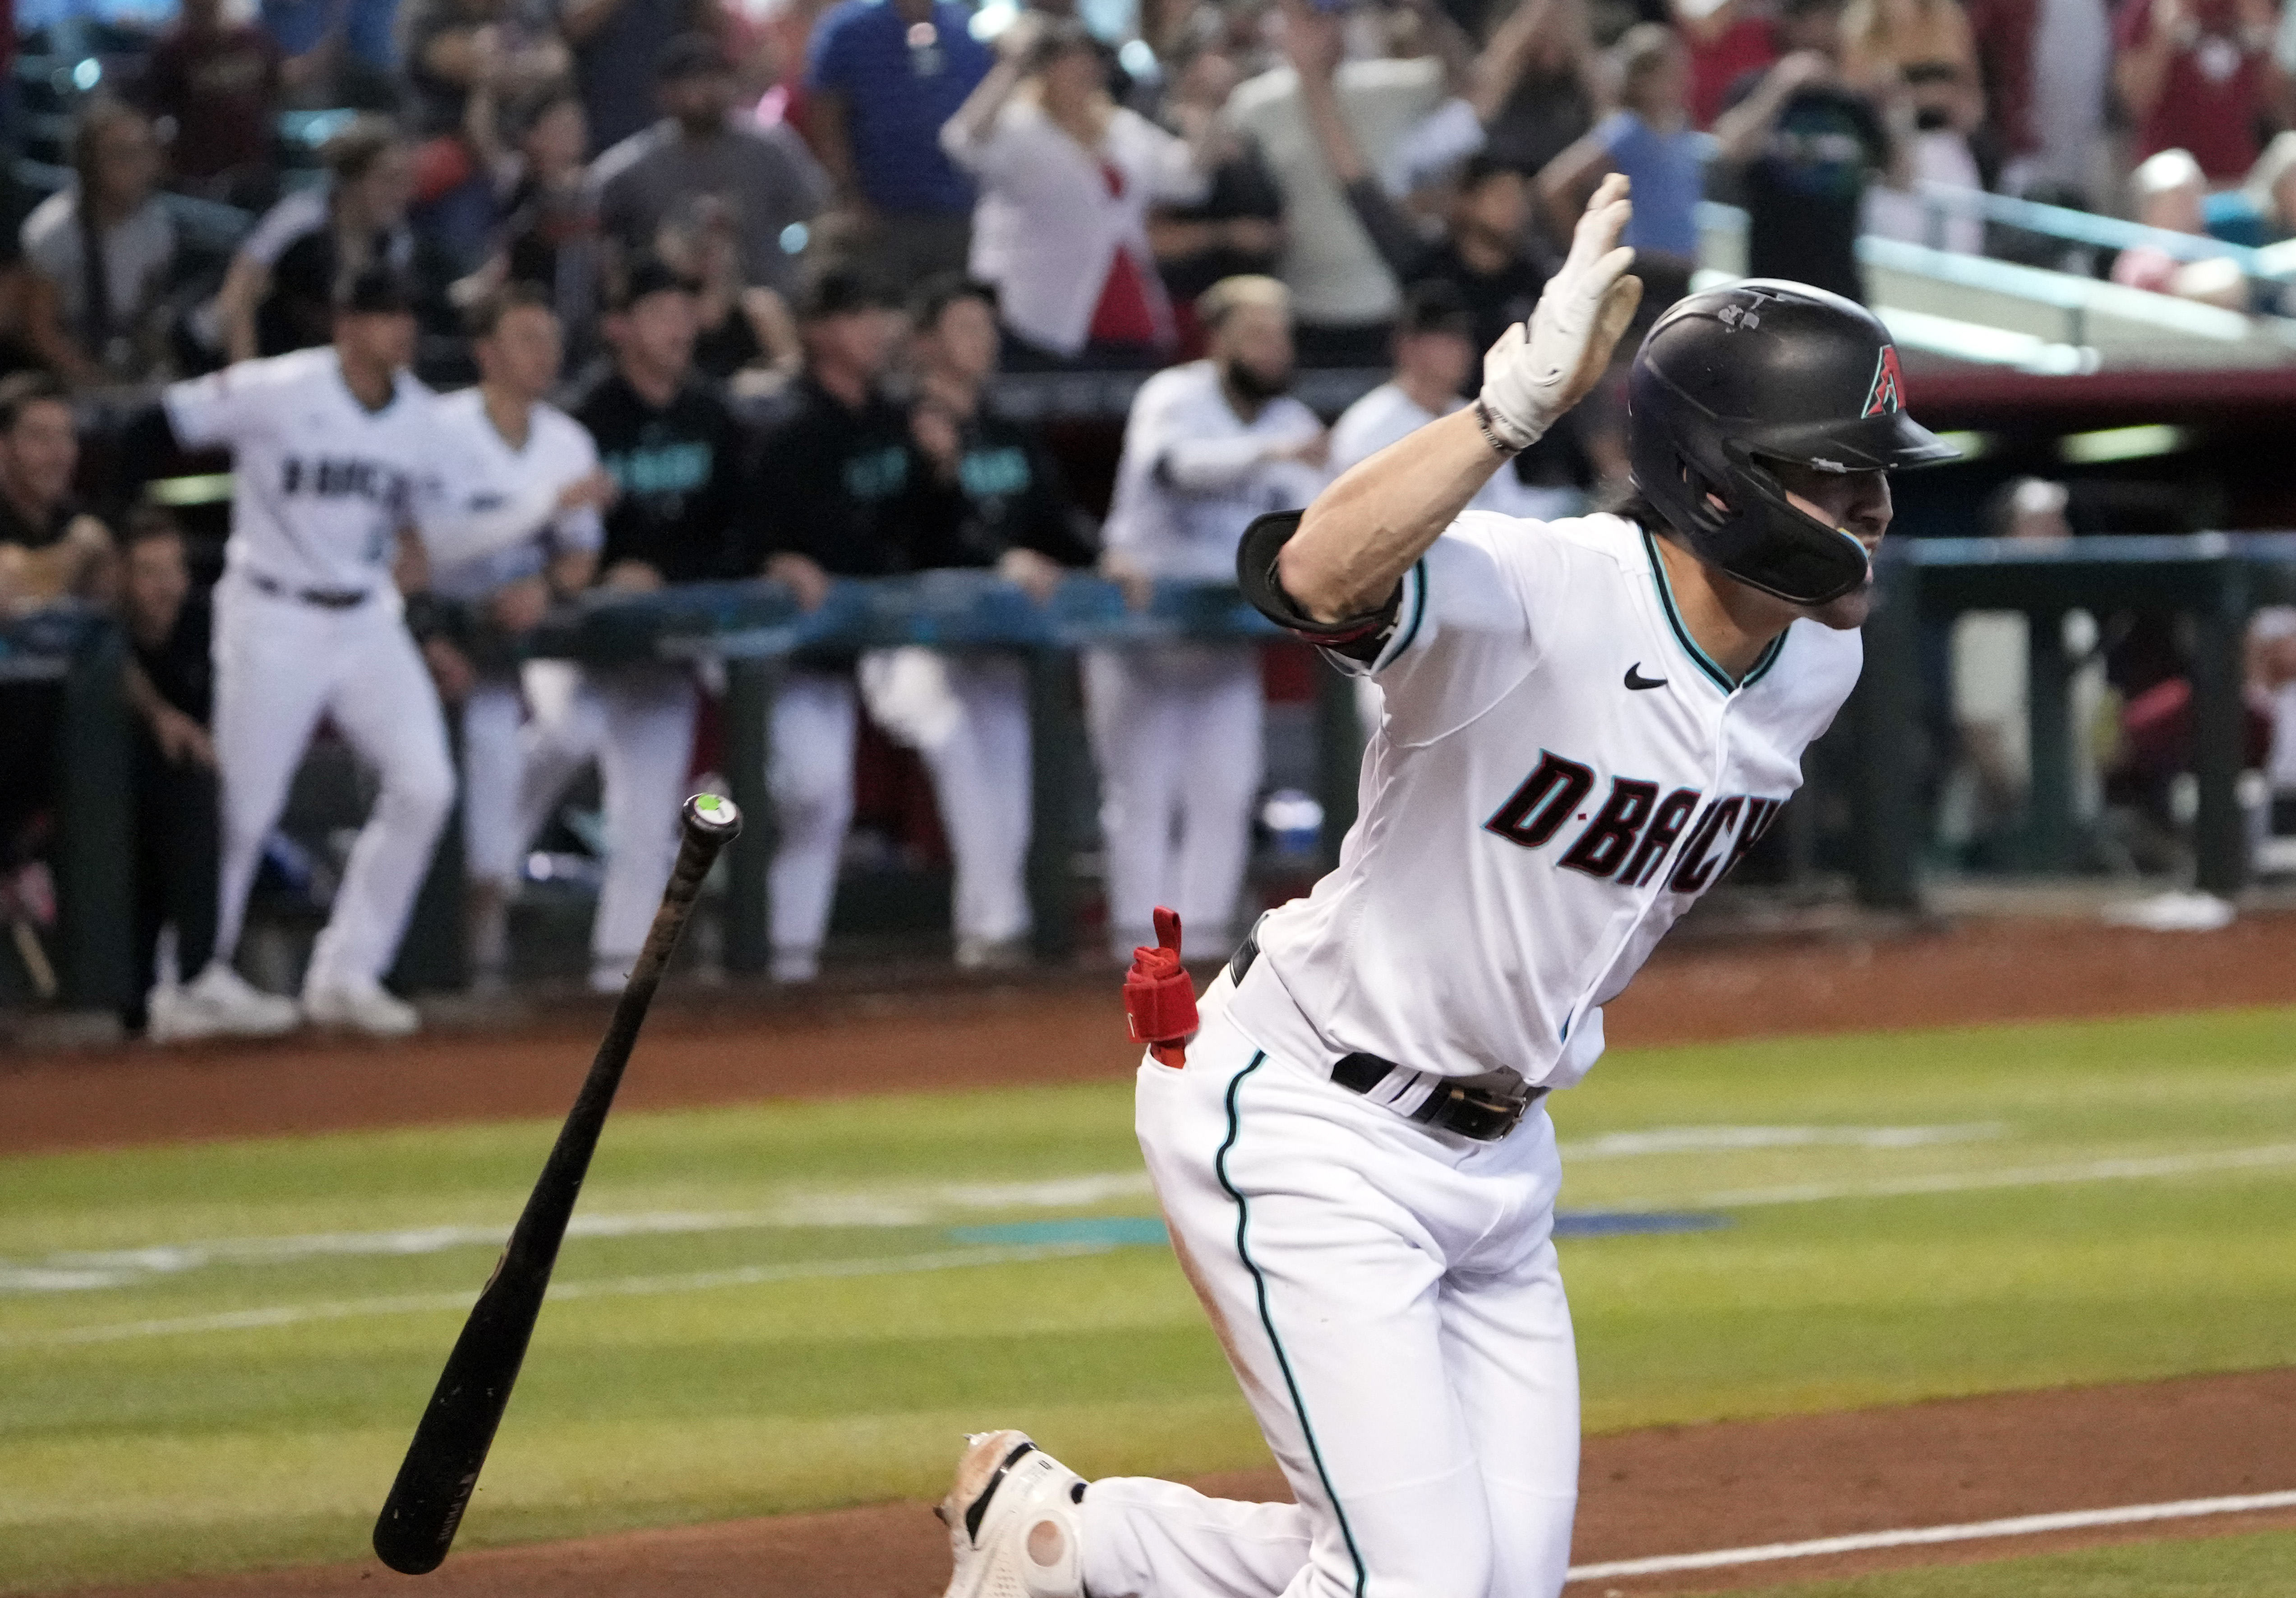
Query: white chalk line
pixel 618 1287
pixel 2123 1170
pixel 2017 1526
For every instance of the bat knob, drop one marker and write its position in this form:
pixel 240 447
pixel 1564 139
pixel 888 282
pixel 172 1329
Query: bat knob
pixel 711 816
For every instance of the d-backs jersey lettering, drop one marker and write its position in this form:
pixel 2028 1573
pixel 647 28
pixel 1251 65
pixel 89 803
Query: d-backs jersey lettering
pixel 321 484
pixel 1559 772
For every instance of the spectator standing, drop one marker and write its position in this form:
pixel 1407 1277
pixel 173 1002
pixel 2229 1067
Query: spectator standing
pixel 1724 41
pixel 50 549
pixel 1649 138
pixel 216 82
pixel 170 686
pixel 984 494
pixel 1343 292
pixel 677 458
pixel 882 77
pixel 1803 146
pixel 1176 729
pixel 835 482
pixel 279 292
pixel 50 553
pixel 1067 176
pixel 332 450
pixel 616 43
pixel 2197 75
pixel 744 329
pixel 105 248
pixel 1237 228
pixel 455 49
pixel 546 226
pixel 763 176
pixel 1484 257
pixel 533 468
pixel 2048 72
pixel 1537 90
pixel 2171 194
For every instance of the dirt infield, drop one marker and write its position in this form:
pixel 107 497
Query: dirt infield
pixel 710 1047
pixel 1665 1491
pixel 1670 1490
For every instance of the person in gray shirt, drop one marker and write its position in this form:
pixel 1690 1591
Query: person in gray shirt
pixel 699 157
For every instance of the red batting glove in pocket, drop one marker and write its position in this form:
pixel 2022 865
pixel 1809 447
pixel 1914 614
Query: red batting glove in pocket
pixel 1160 1002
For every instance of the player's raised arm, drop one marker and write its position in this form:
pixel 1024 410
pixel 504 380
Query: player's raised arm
pixel 1363 533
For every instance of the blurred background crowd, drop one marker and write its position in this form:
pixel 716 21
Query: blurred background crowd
pixel 808 239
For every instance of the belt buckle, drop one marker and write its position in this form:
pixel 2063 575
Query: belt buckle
pixel 1476 1114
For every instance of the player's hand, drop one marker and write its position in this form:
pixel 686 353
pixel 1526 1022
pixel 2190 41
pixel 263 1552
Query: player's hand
pixel 181 740
pixel 1035 573
pixel 935 432
pixel 802 576
pixel 1540 369
pixel 1120 569
pixel 632 577
pixel 451 670
pixel 594 490
pixel 1309 449
pixel 520 607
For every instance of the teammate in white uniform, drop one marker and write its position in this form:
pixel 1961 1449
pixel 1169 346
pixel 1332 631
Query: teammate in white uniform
pixel 1176 729
pixel 1587 723
pixel 505 452
pixel 333 451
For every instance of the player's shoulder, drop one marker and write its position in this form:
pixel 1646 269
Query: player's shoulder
pixel 1600 538
pixel 1190 383
pixel 559 433
pixel 461 406
pixel 281 377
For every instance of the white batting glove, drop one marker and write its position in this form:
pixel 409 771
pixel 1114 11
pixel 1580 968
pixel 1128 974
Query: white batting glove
pixel 1539 370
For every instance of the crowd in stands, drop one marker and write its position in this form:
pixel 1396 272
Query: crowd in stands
pixel 770 261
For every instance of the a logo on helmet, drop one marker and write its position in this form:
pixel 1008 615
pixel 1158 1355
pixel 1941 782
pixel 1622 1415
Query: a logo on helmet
pixel 1886 395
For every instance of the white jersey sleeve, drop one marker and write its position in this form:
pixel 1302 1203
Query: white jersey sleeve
pixel 223 408
pixel 1468 623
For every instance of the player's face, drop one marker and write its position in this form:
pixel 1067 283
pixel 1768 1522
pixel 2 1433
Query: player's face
pixel 522 353
pixel 383 340
pixel 859 342
pixel 658 332
pixel 965 339
pixel 1855 501
pixel 1255 340
pixel 156 580
pixel 41 452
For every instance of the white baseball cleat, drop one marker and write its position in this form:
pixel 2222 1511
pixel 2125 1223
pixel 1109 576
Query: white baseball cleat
pixel 1011 1519
pixel 220 1003
pixel 361 1004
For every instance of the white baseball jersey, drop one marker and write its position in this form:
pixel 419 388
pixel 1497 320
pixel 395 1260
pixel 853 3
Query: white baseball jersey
pixel 1560 772
pixel 499 521
pixel 1194 474
pixel 1387 414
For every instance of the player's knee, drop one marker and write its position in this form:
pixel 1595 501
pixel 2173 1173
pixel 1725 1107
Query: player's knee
pixel 420 792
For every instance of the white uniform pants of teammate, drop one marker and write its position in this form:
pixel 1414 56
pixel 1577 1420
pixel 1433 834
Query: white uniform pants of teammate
pixel 1175 731
pixel 280 666
pixel 493 767
pixel 638 722
pixel 1391 1300
pixel 967 714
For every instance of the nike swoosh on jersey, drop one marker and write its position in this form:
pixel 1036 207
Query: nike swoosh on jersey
pixel 1636 681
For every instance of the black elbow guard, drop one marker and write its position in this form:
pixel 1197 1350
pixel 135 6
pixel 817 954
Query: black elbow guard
pixel 1255 558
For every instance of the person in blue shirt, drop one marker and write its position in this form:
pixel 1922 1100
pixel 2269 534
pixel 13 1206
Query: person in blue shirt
pixel 1650 138
pixel 882 77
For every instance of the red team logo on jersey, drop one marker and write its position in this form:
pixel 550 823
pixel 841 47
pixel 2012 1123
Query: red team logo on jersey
pixel 1887 396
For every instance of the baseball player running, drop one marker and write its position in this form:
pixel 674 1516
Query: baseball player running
pixel 532 471
pixel 333 451
pixel 1586 722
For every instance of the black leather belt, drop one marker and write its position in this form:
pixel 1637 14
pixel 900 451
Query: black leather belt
pixel 325 599
pixel 1484 1108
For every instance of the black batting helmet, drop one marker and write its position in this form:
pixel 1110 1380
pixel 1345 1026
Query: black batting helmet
pixel 1765 371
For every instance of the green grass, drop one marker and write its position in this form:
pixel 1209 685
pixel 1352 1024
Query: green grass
pixel 2238 1567
pixel 841 1335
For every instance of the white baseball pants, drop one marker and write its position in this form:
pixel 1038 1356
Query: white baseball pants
pixel 1391 1300
pixel 494 765
pixel 967 714
pixel 280 666
pixel 637 721
pixel 809 776
pixel 1175 731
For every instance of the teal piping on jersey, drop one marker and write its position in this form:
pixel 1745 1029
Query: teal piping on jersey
pixel 1705 662
pixel 1410 629
pixel 1259 1284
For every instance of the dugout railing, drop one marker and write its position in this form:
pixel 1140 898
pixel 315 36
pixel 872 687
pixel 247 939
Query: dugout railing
pixel 755 628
